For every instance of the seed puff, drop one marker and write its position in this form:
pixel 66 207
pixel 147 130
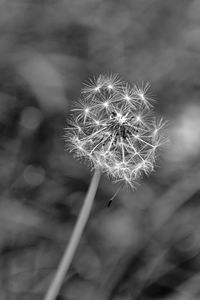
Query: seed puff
pixel 114 128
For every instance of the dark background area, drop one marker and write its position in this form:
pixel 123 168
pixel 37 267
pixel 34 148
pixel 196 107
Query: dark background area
pixel 146 245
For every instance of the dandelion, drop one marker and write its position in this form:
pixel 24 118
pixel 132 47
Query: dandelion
pixel 118 128
pixel 114 129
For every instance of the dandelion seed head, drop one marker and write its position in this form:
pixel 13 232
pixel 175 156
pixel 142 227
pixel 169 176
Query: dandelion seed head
pixel 114 128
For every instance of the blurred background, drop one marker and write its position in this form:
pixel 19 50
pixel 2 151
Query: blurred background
pixel 146 245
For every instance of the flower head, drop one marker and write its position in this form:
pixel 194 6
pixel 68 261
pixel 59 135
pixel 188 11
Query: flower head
pixel 114 128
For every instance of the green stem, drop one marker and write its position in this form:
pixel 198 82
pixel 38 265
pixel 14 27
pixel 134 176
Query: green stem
pixel 74 240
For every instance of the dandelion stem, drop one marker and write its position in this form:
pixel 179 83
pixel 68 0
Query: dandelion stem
pixel 74 241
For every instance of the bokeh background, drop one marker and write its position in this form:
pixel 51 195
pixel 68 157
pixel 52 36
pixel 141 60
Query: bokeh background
pixel 146 245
